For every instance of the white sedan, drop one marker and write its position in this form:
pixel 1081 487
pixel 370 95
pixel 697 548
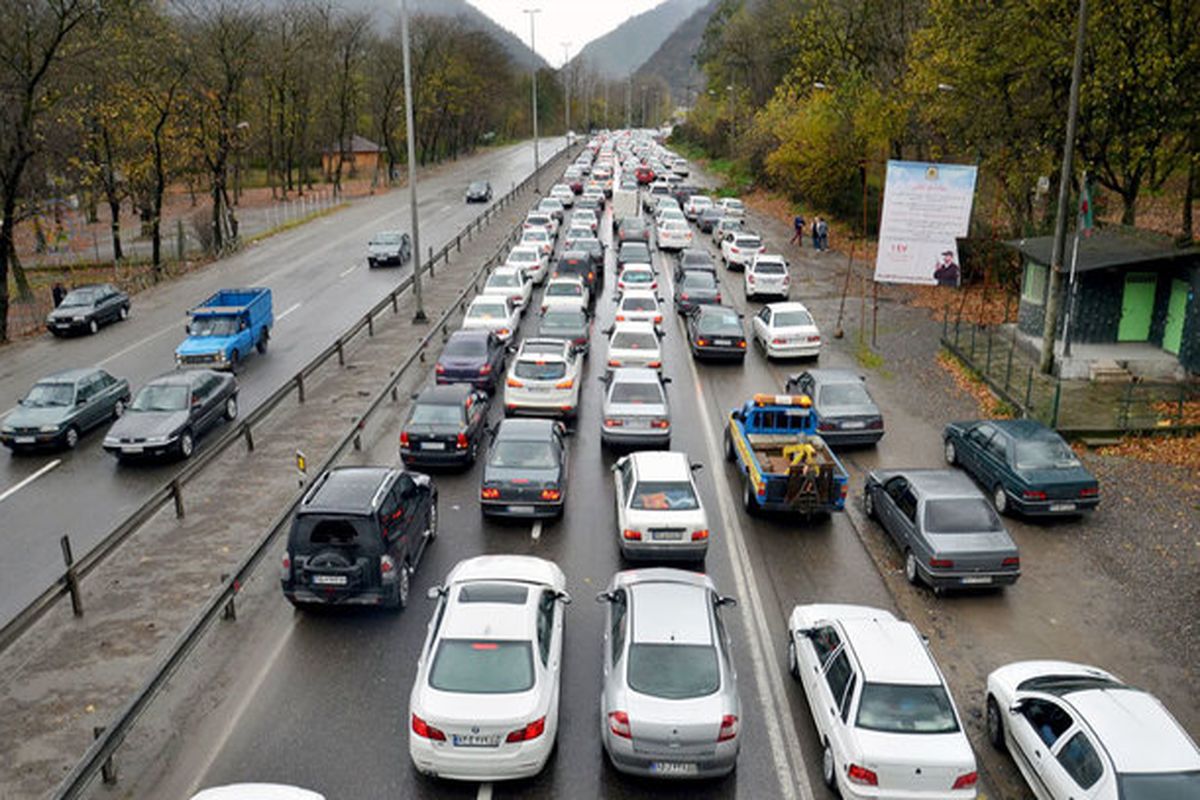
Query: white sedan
pixel 696 204
pixel 659 513
pixel 585 218
pixel 538 237
pixel 639 305
pixel 733 207
pixel 543 379
pixel 738 247
pixel 785 330
pixel 767 275
pixel 514 284
pixel 491 313
pixel 566 290
pixel 673 234
pixel 563 193
pixel 637 276
pixel 484 704
pixel 1076 731
pixel 533 260
pixel 634 344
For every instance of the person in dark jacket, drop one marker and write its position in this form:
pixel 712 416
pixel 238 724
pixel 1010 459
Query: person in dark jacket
pixel 798 227
pixel 816 234
pixel 58 292
pixel 946 273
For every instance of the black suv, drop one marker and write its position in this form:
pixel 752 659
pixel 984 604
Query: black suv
pixel 357 537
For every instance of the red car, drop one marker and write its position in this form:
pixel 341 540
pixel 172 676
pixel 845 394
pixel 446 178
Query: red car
pixel 644 175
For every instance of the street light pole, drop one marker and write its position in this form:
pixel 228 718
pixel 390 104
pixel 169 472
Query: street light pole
pixel 533 95
pixel 567 83
pixel 419 316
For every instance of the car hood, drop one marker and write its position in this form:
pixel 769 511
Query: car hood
pixel 29 417
pixel 135 424
pixel 534 477
pixel 68 313
pixel 203 345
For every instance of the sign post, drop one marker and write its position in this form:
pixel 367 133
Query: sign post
pixel 301 467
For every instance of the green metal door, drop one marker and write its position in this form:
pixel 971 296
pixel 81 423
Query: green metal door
pixel 1137 307
pixel 1176 310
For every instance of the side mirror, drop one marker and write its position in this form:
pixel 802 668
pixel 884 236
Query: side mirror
pixel 605 597
pixel 563 598
pixel 666 379
pixel 607 331
pixel 1016 707
pixel 723 600
pixel 659 332
pixel 434 592
pixel 696 466
pixel 807 633
pixel 79 401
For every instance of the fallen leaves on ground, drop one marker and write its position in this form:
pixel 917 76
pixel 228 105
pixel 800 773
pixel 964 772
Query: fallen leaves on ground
pixel 1178 451
pixel 989 405
pixel 987 305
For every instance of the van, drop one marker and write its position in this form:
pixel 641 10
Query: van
pixel 624 204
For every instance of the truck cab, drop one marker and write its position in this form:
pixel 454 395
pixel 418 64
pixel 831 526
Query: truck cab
pixel 225 328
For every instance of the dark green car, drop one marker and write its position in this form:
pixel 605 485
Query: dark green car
pixel 62 407
pixel 1026 467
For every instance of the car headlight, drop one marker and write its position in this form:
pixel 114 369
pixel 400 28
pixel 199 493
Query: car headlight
pixel 159 439
pixel 49 428
pixel 7 429
pixel 79 319
pixel 220 355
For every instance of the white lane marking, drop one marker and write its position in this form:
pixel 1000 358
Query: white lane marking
pixel 348 270
pixel 289 310
pixel 536 533
pixel 126 350
pixel 10 492
pixel 485 792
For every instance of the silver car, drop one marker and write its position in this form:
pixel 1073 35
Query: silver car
pixel 670 706
pixel 845 412
pixel 636 412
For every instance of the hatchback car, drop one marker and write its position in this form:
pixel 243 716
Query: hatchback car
pixel 1027 467
pixel 767 275
pixel 526 470
pixel 709 217
pixel 884 716
pixel 484 703
pixel 590 245
pixel 479 192
pixel 531 259
pixel 357 537
pixel 945 528
pixel 514 284
pixel 170 413
pixel 1076 731
pixel 844 411
pixel 634 344
pixel 632 252
pixel 389 247
pixel 474 357
pixel 635 412
pixel 637 276
pixel 86 308
pixel 715 332
pixel 566 291
pixel 733 207
pixel 673 234
pixel 659 512
pixel 563 194
pixel 568 324
pixel 490 313
pixel 695 259
pixel 786 330
pixel 544 383
pixel 696 288
pixel 739 247
pixel 60 408
pixel 445 426
pixel 725 226
pixel 669 707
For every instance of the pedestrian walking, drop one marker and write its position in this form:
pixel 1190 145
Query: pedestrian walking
pixel 816 234
pixel 798 227
pixel 823 235
pixel 58 292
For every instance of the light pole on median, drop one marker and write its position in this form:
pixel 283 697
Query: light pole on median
pixel 419 316
pixel 532 12
pixel 566 46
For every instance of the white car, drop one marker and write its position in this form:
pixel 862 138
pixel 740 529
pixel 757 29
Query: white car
pixel 538 237
pixel 484 704
pixel 637 276
pixel 635 413
pixel 634 344
pixel 514 284
pixel 552 206
pixel 1076 731
pixel 884 716
pixel 668 211
pixel 659 512
pixel 531 259
pixel 733 206
pixel 787 330
pixel 673 234
pixel 540 219
pixel 767 275
pixel 543 379
pixel 566 290
pixel 495 314
pixel 563 194
pixel 585 218
pixel 257 791
pixel 680 167
pixel 651 196
pixel 738 247
pixel 695 204
pixel 639 305
pixel 724 226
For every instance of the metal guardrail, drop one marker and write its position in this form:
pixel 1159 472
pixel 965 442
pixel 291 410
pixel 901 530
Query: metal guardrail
pixel 172 490
pixel 98 758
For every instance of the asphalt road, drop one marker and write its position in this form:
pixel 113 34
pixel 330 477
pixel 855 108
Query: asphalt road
pixel 321 284
pixel 322 699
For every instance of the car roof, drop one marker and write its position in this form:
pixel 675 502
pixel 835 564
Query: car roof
pixel 633 326
pixel 637 266
pixel 69 375
pixel 831 375
pixel 662 464
pixel 448 394
pixel 525 247
pixel 490 620
pixel 670 612
pixel 713 309
pixel 790 305
pixel 347 490
pixel 1139 734
pixel 470 334
pixel 634 375
pixel 890 651
pixel 941 483
pixel 180 378
pixel 1022 428
pixel 529 430
pixel 746 235
pixel 522 569
pixel 490 299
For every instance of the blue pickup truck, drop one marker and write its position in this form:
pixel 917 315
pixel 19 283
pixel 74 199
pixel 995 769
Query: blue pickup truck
pixel 225 328
pixel 785 465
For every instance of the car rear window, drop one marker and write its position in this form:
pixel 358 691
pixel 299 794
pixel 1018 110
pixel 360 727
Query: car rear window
pixel 509 593
pixel 523 255
pixel 540 370
pixel 961 515
pixel 637 276
pixel 564 289
pixel 1159 785
pixel 1045 454
pixel 636 393
pixel 664 496
pixel 464 347
pixel 488 311
pixel 436 414
pixel 478 666
pixel 506 280
pixel 699 280
pixel 529 455
pixel 770 268
pixel 634 340
pixel 673 671
pixel 783 319
pixel 639 304
pixel 844 394
pixel 720 323
pixel 321 531
pixel 748 241
pixel 899 708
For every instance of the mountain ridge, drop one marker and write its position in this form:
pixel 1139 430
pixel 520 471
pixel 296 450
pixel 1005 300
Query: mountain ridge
pixel 673 60
pixel 627 47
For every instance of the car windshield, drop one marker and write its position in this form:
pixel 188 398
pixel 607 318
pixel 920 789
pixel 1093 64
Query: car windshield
pixel 464 347
pixel 1047 453
pixel 161 397
pixel 634 340
pixel 213 326
pixel 478 186
pixel 527 455
pixel 80 297
pixel 636 393
pixel 386 238
pixel 788 319
pixel 1159 785
pixel 731 203
pixel 539 370
pixel 523 255
pixel 960 515
pixel 719 323
pixel 770 268
pixel 505 280
pixel 844 394
pixel 673 671
pixel 535 235
pixel 488 311
pixel 750 242
pixel 639 304
pixel 564 289
pixel 699 280
pixel 664 496
pixel 637 276
pixel 472 666
pixel 47 395
pixel 436 414
pixel 902 708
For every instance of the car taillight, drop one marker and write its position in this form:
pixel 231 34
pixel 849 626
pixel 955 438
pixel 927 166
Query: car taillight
pixel 814 338
pixel 503 332
pixel 515 298
pixel 613 423
pixel 1033 495
pixel 1091 491
pixel 750 278
pixel 439 369
pixel 778 340
pixel 966 781
pixel 569 383
pixel 875 423
pixel 742 343
pixel 461 442
pixel 513 383
pixel 386 565
pixel 941 563
pixel 489 493
pixel 729 725
pixel 486 369
pixel 661 424
pixel 654 364
pixel 786 280
pixel 734 250
pixel 404 438
pixel 826 426
pixel 718 297
pixel 683 296
pixel 531 731
pixel 862 776
pixel 286 566
pixel 631 535
pixel 700 535
pixel 1011 561
pixel 591 276
pixel 551 494
pixel 580 340
pixel 618 724
pixel 426 731
pixel 658 319
pixel 620 317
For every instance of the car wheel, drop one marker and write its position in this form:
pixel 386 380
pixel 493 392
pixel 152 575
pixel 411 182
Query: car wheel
pixel 187 444
pixel 1000 498
pixel 261 345
pixel 93 326
pixel 123 313
pixel 911 573
pixel 869 503
pixel 403 586
pixel 749 500
pixel 730 453
pixel 995 725
pixel 71 437
pixel 231 409
pixel 828 768
pixel 951 453
pixel 432 531
pixel 793 659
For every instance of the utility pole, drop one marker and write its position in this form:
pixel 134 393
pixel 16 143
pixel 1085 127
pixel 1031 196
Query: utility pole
pixel 607 86
pixel 566 46
pixel 1054 293
pixel 644 125
pixel 419 316
pixel 629 101
pixel 533 71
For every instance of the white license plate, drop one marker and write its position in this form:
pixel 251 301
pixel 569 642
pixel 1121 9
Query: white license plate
pixel 1062 506
pixel 25 439
pixel 667 536
pixel 538 389
pixel 473 740
pixel 674 768
pixel 133 448
pixel 329 580
pixel 853 426
pixel 520 509
pixel 722 342
pixel 433 445
pixel 977 579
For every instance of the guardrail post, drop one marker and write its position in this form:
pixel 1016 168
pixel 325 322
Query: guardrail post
pixel 395 395
pixel 1029 393
pixel 445 334
pixel 395 304
pixel 358 436
pixel 1008 370
pixel 300 386
pixel 71 578
pixel 370 325
pixel 249 437
pixel 108 770
pixel 1126 403
pixel 1179 408
pixel 430 261
pixel 177 494
pixel 341 354
pixel 458 243
pixel 973 329
pixel 230 610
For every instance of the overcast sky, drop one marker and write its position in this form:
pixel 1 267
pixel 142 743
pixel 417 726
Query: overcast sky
pixel 574 21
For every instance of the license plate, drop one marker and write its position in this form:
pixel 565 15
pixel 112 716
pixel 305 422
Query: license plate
pixel 977 579
pixel 667 536
pixel 433 445
pixel 1062 506
pixel 329 580
pixel 473 740
pixel 25 440
pixel 520 509
pixel 538 389
pixel 674 768
pixel 722 342
pixel 853 426
pixel 133 448
pixel 637 423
